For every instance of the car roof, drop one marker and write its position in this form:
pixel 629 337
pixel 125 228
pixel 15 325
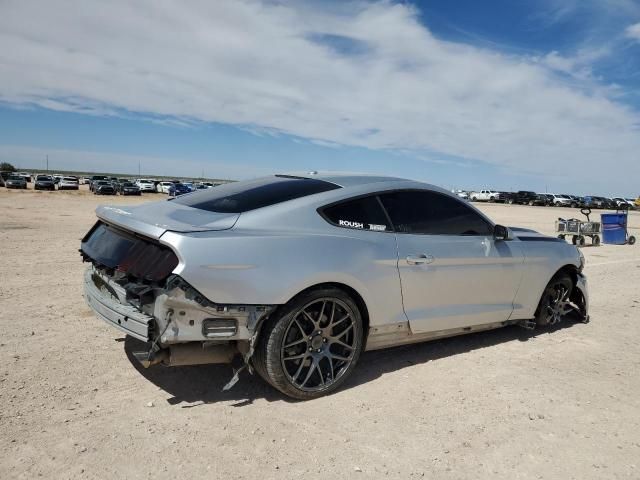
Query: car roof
pixel 355 183
pixel 343 179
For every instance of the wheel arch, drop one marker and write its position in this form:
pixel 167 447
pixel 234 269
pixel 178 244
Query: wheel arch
pixel 352 292
pixel 570 270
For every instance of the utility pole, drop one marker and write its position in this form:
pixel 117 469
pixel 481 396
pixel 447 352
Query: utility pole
pixel 138 169
pixel 47 163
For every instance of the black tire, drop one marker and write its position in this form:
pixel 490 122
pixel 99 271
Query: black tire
pixel 580 241
pixel 595 240
pixel 290 321
pixel 543 314
pixel 632 240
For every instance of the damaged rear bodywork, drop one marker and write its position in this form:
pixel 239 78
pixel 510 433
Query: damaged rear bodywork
pixel 130 285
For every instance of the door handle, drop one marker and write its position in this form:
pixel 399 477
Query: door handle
pixel 420 259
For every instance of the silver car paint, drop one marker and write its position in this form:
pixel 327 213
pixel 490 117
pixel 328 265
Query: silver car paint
pixel 269 255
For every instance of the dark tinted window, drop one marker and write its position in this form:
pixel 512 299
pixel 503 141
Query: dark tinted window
pixel 362 214
pixel 432 213
pixel 244 196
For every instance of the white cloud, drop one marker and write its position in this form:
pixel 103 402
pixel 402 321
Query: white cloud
pixel 278 68
pixel 633 31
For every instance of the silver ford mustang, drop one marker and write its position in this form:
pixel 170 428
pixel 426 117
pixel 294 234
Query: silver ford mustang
pixel 297 275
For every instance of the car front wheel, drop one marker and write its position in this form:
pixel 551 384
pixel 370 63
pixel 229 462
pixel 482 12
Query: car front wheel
pixel 310 347
pixel 555 303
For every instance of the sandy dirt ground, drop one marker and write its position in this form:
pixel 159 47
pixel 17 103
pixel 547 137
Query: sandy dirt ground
pixel 506 404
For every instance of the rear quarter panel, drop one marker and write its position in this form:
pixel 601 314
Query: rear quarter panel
pixel 256 266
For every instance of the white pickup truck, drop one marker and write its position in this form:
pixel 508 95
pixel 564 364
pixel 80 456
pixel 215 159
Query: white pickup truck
pixel 487 196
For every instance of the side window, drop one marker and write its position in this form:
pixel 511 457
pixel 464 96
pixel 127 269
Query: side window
pixel 432 213
pixel 361 214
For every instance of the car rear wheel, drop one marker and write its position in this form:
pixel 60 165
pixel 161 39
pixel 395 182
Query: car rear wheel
pixel 555 303
pixel 310 347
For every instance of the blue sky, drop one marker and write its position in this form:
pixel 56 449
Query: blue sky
pixel 507 94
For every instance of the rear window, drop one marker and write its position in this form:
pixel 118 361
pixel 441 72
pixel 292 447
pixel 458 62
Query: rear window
pixel 241 197
pixel 362 214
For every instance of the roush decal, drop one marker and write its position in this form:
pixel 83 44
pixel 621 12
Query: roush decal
pixel 350 224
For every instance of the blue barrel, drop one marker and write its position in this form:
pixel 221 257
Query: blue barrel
pixel 614 228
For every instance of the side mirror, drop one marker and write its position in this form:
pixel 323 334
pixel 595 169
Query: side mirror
pixel 501 233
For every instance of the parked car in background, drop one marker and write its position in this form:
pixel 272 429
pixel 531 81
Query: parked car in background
pixel 461 194
pixel 560 200
pixel 402 262
pixel 574 201
pixel 622 202
pixel 190 186
pixel 593 201
pixel 610 203
pixel 146 185
pixel 16 181
pixel 94 180
pixel 543 200
pixel 128 188
pixel 85 180
pixel 103 187
pixel 163 187
pixel 44 182
pixel 25 175
pixel 522 197
pixel 178 189
pixel 488 196
pixel 68 183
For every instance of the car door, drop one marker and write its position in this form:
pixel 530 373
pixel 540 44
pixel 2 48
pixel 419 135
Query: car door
pixel 453 272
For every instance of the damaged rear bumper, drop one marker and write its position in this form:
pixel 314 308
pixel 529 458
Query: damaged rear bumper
pixel 125 318
pixel 180 326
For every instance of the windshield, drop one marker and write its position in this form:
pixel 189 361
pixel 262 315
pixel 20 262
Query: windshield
pixel 240 197
pixel 15 177
pixel 43 178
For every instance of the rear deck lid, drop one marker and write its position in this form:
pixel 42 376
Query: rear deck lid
pixel 154 219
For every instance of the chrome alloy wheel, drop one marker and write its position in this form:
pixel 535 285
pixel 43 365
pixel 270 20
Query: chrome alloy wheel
pixel 558 305
pixel 319 344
